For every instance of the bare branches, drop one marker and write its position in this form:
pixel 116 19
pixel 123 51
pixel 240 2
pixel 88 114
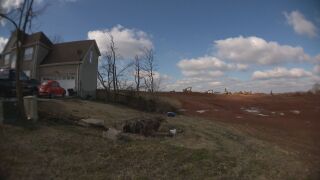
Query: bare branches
pixel 137 72
pixel 56 39
pixel 10 20
pixel 149 67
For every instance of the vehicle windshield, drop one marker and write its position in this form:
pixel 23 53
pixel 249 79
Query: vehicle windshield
pixel 44 83
pixel 4 74
pixel 23 76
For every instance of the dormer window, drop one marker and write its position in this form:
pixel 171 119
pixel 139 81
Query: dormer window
pixel 28 53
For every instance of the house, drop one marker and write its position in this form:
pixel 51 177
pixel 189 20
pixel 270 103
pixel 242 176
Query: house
pixel 73 64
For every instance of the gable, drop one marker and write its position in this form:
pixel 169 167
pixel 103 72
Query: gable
pixel 68 52
pixel 10 44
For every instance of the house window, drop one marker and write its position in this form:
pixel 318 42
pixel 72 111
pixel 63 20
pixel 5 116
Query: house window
pixel 7 59
pixel 13 60
pixel 28 53
pixel 28 73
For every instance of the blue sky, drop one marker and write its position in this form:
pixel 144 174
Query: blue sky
pixel 185 31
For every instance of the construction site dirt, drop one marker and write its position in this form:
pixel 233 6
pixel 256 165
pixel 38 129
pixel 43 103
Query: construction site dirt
pixel 291 121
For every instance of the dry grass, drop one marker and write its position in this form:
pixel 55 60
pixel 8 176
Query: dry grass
pixel 143 101
pixel 205 149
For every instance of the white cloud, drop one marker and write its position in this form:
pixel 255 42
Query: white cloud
pixel 8 5
pixel 256 50
pixel 203 73
pixel 207 66
pixel 3 42
pixel 129 42
pixel 234 85
pixel 276 85
pixel 317 58
pixel 215 83
pixel 280 72
pixel 208 63
pixel 316 69
pixel 300 24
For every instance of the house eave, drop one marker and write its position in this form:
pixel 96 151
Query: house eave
pixel 61 64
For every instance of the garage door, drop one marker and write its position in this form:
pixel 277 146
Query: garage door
pixel 67 84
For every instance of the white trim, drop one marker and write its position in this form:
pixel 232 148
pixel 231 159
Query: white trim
pixel 61 64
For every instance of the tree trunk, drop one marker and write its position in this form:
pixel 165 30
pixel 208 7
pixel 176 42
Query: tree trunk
pixel 19 92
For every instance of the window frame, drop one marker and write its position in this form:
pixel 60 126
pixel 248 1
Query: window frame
pixel 13 60
pixel 27 73
pixel 28 57
pixel 7 59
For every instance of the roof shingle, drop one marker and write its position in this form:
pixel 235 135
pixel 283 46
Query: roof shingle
pixel 68 52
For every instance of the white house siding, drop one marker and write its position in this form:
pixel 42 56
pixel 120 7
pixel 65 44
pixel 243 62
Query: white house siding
pixel 88 74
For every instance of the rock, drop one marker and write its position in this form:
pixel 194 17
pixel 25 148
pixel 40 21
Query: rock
pixel 173 132
pixel 111 134
pixel 98 123
pixel 264 115
pixel 295 111
pixel 201 111
pixel 142 126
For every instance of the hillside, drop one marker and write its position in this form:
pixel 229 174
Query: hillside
pixel 203 149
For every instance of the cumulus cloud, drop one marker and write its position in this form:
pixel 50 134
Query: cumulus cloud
pixel 281 72
pixel 316 69
pixel 3 42
pixel 208 62
pixel 8 5
pixel 197 84
pixel 232 84
pixel 317 58
pixel 256 50
pixel 275 84
pixel 129 42
pixel 245 54
pixel 214 83
pixel 207 66
pixel 300 24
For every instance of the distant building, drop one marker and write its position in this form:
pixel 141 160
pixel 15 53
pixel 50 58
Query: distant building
pixel 73 64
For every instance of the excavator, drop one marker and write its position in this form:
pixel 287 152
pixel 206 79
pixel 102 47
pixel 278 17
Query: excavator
pixel 187 90
pixel 209 91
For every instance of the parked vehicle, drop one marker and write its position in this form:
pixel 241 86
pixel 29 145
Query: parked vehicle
pixel 51 89
pixel 8 83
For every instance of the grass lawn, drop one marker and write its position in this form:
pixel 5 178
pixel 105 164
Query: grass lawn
pixel 205 150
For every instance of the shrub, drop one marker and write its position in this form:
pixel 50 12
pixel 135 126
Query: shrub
pixel 149 102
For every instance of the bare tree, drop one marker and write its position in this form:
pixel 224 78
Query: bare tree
pixel 108 75
pixel 25 14
pixel 113 56
pixel 105 72
pixel 149 68
pixel 56 39
pixel 137 72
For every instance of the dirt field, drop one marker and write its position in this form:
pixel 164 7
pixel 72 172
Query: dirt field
pixel 205 149
pixel 291 121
